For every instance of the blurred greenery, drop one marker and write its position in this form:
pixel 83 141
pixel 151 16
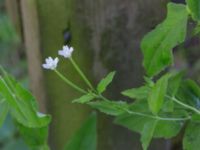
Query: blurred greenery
pixel 16 65
pixel 9 137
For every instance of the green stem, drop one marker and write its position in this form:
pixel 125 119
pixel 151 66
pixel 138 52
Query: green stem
pixel 69 82
pixel 149 116
pixel 157 117
pixel 184 105
pixel 81 73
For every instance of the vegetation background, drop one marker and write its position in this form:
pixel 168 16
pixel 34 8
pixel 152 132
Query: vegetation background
pixel 106 36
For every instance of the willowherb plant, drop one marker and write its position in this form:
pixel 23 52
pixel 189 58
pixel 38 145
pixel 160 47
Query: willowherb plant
pixel 165 104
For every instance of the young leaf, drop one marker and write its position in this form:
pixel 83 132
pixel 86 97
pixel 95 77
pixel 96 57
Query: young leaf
pixel 84 99
pixel 194 8
pixel 101 87
pixel 191 140
pixel 157 94
pixel 86 137
pixel 158 44
pixel 114 108
pixel 137 93
pixel 147 133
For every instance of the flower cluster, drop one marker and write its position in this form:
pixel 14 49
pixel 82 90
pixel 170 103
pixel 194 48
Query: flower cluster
pixel 51 63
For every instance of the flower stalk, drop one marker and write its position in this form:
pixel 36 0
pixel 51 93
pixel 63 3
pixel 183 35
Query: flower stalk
pixel 81 74
pixel 70 83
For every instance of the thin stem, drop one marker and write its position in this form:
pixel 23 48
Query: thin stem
pixel 157 117
pixel 69 82
pixel 149 116
pixel 184 105
pixel 81 73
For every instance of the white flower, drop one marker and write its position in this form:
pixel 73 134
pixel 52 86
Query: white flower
pixel 50 63
pixel 66 51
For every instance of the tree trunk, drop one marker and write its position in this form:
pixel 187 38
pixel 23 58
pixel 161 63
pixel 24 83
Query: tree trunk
pixel 106 36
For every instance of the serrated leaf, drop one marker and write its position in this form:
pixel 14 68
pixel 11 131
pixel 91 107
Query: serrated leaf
pixel 158 44
pixel 101 87
pixel 147 133
pixel 86 137
pixel 194 9
pixel 157 94
pixel 84 99
pixel 110 107
pixel 191 140
pixel 137 93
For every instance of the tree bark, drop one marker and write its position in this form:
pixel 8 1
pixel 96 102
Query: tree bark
pixel 106 36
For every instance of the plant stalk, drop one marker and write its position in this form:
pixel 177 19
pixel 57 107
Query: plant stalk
pixel 70 83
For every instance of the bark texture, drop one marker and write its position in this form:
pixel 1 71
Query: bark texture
pixel 106 35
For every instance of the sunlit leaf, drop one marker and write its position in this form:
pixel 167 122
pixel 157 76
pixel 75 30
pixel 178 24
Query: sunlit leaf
pixel 158 44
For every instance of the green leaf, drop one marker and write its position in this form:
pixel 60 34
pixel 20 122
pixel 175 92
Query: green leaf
pixel 164 129
pixel 22 104
pixel 35 138
pixel 84 99
pixel 196 30
pixel 168 105
pixel 196 118
pixel 137 93
pixel 174 83
pixel 86 137
pixel 191 140
pixel 147 134
pixel 157 94
pixel 4 107
pixel 101 87
pixel 189 93
pixel 194 9
pixel 167 129
pixel 158 44
pixel 114 108
pixel 136 123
